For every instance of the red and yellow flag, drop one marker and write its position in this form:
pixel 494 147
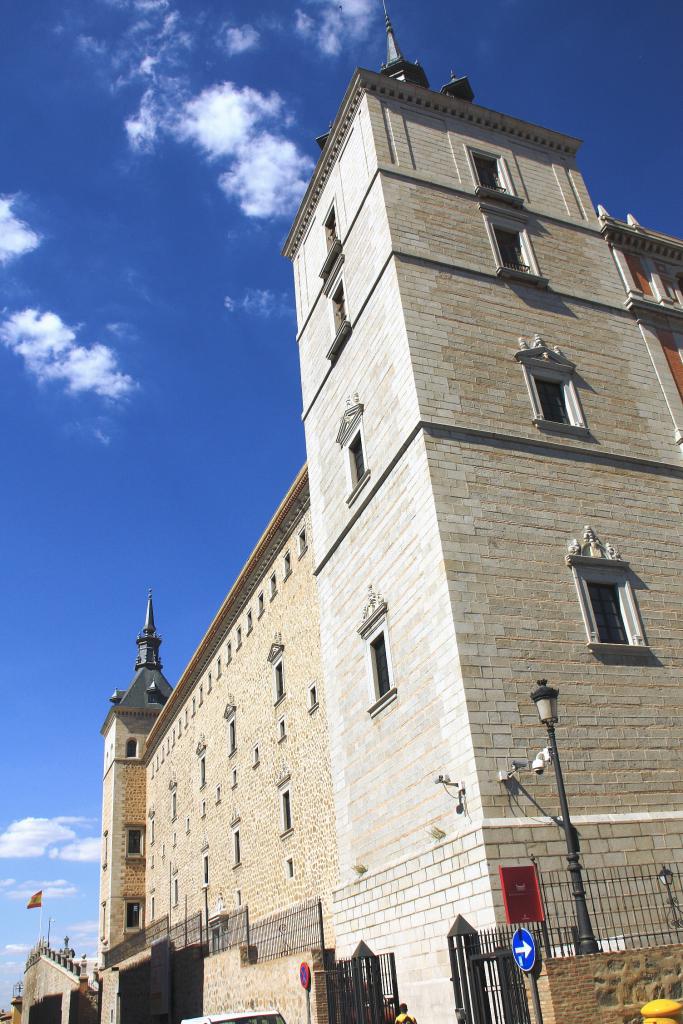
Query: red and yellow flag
pixel 35 901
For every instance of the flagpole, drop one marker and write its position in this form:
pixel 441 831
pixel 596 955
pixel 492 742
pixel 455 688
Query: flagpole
pixel 40 926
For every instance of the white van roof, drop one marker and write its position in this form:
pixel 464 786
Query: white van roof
pixel 221 1018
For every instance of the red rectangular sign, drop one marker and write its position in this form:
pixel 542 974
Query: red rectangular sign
pixel 521 894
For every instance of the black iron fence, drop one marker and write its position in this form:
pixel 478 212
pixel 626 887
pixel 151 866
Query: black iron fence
pixel 294 930
pixel 487 985
pixel 362 990
pixel 188 932
pixel 229 930
pixel 630 907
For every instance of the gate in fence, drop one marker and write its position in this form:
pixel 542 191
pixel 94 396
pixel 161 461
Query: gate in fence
pixel 487 984
pixel 363 989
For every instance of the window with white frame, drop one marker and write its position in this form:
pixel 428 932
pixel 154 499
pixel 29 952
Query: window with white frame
pixel 550 379
pixel 205 869
pixel 236 846
pixel 134 842
pixel 281 729
pixel 218 794
pixel 232 733
pixel 492 177
pixel 351 439
pixel 174 805
pixel 228 653
pixel 312 696
pixel 203 809
pixel 261 604
pixel 187 825
pixel 511 244
pixel 289 867
pixel 209 683
pixel 287 564
pixel 606 597
pixel 132 748
pixel 276 659
pixel 341 325
pixel 152 908
pixel 255 755
pixel 176 892
pixel 218 668
pixel 374 631
pixel 133 915
pixel 202 771
pixel 233 778
pixel 302 542
pixel 239 637
pixel 250 621
pixel 273 586
pixel 285 809
pixel 238 898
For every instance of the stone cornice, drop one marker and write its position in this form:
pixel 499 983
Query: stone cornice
pixel 640 239
pixel 294 502
pixel 370 82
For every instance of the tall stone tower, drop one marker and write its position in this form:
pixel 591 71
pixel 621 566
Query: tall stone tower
pixel 125 729
pixel 496 498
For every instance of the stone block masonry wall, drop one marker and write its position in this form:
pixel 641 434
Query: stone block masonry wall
pixel 54 995
pixel 609 987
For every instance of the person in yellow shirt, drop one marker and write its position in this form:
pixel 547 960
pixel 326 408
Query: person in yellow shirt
pixel 403 1015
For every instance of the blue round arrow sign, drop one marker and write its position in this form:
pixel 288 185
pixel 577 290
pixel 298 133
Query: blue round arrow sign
pixel 524 950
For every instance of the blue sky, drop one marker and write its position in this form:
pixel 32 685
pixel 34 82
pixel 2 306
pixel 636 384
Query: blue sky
pixel 153 153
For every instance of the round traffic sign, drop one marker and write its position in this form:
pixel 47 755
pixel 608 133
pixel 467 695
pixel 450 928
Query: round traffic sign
pixel 524 950
pixel 305 976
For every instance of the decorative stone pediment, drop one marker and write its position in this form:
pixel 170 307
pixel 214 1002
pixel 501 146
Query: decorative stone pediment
pixel 150 813
pixel 538 353
pixel 201 746
pixel 375 609
pixel 173 781
pixel 205 843
pixel 351 418
pixel 282 774
pixel 276 648
pixel 591 549
pixel 230 707
pixel 235 819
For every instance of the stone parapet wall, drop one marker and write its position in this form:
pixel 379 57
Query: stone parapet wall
pixel 609 987
pixel 54 994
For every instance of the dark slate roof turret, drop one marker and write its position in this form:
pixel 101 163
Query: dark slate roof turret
pixel 396 65
pixel 149 687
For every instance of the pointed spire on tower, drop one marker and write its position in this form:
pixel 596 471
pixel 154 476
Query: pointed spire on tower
pixel 148 640
pixel 396 65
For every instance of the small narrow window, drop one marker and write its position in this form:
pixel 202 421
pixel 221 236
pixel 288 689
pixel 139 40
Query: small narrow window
pixel 279 670
pixel 152 908
pixel 380 663
pixel 176 892
pixel 218 794
pixel 175 840
pixel 236 847
pixel 261 605
pixel 201 694
pixel 134 842
pixel 180 727
pixel 552 399
pixel 289 867
pixel 152 824
pixel 239 637
pixel 202 772
pixel 238 898
pixel 287 564
pixel 488 172
pixel 312 697
pixel 331 229
pixel 234 778
pixel 286 810
pixel 187 824
pixel 273 586
pixel 357 457
pixel 174 805
pixel 132 748
pixel 186 718
pixel 133 916
pixel 604 598
pixel 255 756
pixel 281 729
pixel 194 706
pixel 206 869
pixel 203 808
pixel 511 250
pixel 232 736
pixel 250 622
pixel 218 668
pixel 339 306
pixel 302 542
pixel 229 653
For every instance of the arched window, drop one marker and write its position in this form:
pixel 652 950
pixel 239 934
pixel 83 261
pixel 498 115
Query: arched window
pixel 132 748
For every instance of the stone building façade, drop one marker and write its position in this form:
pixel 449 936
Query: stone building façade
pixel 492 496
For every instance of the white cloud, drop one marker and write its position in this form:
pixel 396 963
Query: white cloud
pixel 16 237
pixel 143 128
pixel 50 352
pixel 240 39
pixel 330 24
pixel 267 173
pixel 260 302
pixel 15 947
pixel 80 850
pixel 56 889
pixel 31 837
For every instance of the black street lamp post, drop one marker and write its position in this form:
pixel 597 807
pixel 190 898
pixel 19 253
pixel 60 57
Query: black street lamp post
pixel 545 699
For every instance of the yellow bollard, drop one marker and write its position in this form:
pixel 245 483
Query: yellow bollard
pixel 662 1011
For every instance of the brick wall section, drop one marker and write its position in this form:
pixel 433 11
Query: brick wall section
pixel 609 987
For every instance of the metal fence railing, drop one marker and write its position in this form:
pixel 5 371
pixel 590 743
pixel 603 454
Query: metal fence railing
pixel 630 907
pixel 230 930
pixel 289 931
pixel 188 932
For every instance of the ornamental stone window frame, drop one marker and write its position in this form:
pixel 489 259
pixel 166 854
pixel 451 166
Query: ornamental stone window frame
pixel 539 361
pixel 515 221
pixel 375 622
pixel 350 428
pixel 509 196
pixel 593 561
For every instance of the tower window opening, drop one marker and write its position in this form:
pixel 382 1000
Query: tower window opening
pixel 339 306
pixel 604 599
pixel 511 250
pixel 552 399
pixel 380 665
pixel 331 235
pixel 132 748
pixel 357 458
pixel 488 172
